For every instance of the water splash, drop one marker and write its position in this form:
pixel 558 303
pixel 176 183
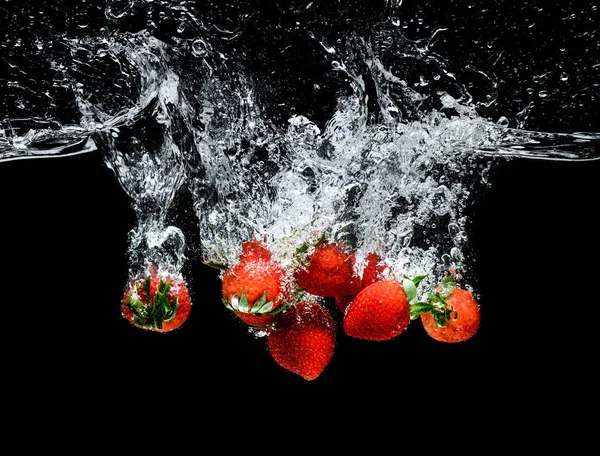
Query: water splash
pixel 390 164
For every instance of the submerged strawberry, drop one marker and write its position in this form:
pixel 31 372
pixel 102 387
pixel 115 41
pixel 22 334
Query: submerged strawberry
pixel 326 271
pixel 303 339
pixel 374 269
pixel 451 314
pixel 255 288
pixel 156 303
pixel 379 312
pixel 373 272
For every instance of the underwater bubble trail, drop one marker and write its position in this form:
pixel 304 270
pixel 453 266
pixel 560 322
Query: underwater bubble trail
pixel 138 144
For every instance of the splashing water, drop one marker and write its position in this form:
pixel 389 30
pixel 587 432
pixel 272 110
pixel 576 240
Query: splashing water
pixel 381 142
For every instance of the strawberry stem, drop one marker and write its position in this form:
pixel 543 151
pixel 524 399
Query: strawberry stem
pixel 260 307
pixel 437 303
pixel 216 265
pixel 158 310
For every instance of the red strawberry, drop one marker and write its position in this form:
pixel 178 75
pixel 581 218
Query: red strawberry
pixel 374 269
pixel 373 272
pixel 342 302
pixel 378 312
pixel 454 316
pixel 254 250
pixel 256 287
pixel 303 338
pixel 156 303
pixel 327 271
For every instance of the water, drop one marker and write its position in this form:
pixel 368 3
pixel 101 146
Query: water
pixel 376 123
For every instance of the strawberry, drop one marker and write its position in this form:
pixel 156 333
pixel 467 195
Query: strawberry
pixel 303 338
pixel 256 287
pixel 373 272
pixel 156 303
pixel 378 312
pixel 374 269
pixel 327 270
pixel 451 314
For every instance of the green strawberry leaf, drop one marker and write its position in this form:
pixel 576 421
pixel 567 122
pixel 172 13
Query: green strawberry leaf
pixel 261 305
pixel 324 237
pixel 147 283
pixel 410 286
pixel 301 256
pixel 235 303
pixel 216 265
pixel 437 300
pixel 139 311
pixel 277 310
pixel 161 297
pixel 447 285
pixel 158 308
pixel 436 303
pixel 441 318
pixel 299 294
pixel 441 310
pixel 135 305
pixel 240 304
pixel 174 309
pixel 418 308
pixel 243 304
pixel 417 279
pixel 230 304
pixel 410 289
pixel 302 249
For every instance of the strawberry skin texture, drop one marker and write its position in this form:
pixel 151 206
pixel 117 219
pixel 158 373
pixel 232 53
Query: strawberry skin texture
pixel 303 339
pixel 330 272
pixel 379 312
pixel 254 250
pixel 463 327
pixel 177 290
pixel 373 272
pixel 374 268
pixel 253 276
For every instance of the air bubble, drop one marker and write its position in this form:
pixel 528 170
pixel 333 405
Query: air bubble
pixel 118 9
pixel 199 48
pixel 453 229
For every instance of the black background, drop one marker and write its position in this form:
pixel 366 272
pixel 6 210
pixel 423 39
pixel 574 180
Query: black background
pixel 64 232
